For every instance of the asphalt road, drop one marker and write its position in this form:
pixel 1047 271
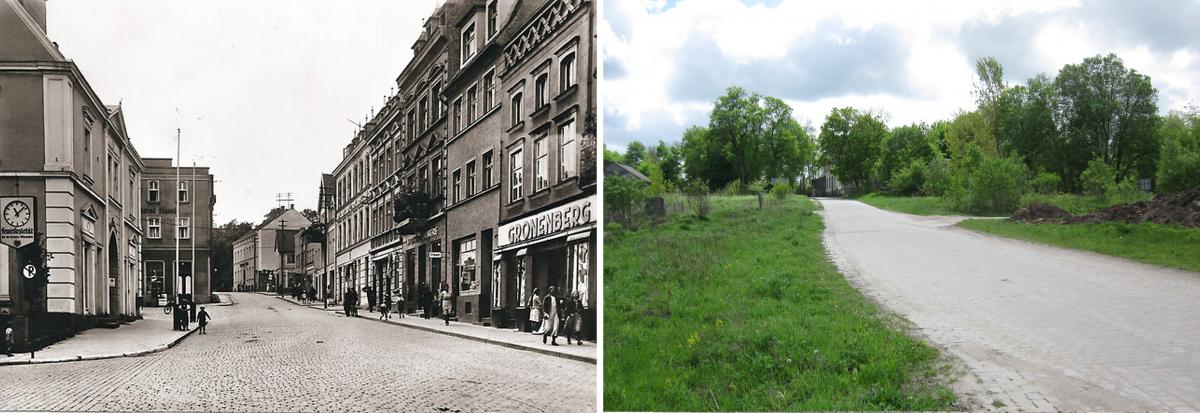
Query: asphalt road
pixel 1038 327
pixel 264 354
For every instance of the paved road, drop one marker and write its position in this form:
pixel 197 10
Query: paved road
pixel 1039 327
pixel 264 354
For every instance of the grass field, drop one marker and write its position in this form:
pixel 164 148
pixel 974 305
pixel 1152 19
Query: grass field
pixel 743 311
pixel 1080 204
pixel 915 205
pixel 1166 245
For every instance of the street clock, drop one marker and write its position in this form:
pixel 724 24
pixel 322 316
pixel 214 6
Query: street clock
pixel 17 213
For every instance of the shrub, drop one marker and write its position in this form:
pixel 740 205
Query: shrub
pixel 733 188
pixel 699 199
pixel 1125 190
pixel 937 177
pixel 624 199
pixel 1096 179
pixel 1179 161
pixel 909 179
pixel 781 191
pixel 991 184
pixel 1046 183
pixel 757 186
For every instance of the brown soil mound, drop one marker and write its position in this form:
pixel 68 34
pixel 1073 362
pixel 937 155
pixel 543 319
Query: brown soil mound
pixel 1180 208
pixel 1041 213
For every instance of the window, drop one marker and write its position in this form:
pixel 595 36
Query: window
pixel 568 152
pixel 412 125
pixel 468 280
pixel 518 175
pixel 115 173
pixel 489 90
pixel 541 162
pixel 436 95
pixel 456 120
pixel 541 92
pixel 487 170
pixel 566 71
pixel 153 228
pixel 424 108
pixel 439 176
pixel 491 19
pixel 152 191
pixel 470 178
pixel 290 257
pixel 455 193
pixel 515 108
pixel 183 191
pixel 423 178
pixel 472 104
pixel 468 43
pixel 184 229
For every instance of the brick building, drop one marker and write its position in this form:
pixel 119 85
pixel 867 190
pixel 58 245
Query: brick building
pixel 176 215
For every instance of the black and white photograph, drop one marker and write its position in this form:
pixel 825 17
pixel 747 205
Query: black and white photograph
pixel 375 206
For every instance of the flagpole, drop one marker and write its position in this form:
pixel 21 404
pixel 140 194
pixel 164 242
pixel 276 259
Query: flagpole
pixel 178 279
pixel 193 227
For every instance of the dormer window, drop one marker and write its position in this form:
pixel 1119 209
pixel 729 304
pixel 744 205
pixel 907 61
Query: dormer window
pixel 491 19
pixel 468 43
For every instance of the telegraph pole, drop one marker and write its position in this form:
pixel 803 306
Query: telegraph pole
pixel 279 247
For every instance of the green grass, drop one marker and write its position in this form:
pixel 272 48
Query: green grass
pixel 1080 204
pixel 743 311
pixel 915 205
pixel 1166 245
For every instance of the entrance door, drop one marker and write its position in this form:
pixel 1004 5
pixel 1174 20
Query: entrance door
pixel 410 276
pixel 114 276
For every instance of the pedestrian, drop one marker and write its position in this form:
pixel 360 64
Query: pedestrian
pixel 347 300
pixel 385 308
pixel 425 300
pixel 447 302
pixel 202 317
pixel 312 293
pixel 550 306
pixel 574 326
pixel 183 315
pixel 399 299
pixel 370 291
pixel 354 300
pixel 535 312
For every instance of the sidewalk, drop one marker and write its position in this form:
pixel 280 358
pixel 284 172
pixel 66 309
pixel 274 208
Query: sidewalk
pixel 491 335
pixel 151 334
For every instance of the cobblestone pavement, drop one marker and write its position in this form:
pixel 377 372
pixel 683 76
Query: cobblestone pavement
pixel 1039 327
pixel 267 355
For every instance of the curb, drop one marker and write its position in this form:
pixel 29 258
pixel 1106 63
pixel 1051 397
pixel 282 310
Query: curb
pixel 102 356
pixel 470 337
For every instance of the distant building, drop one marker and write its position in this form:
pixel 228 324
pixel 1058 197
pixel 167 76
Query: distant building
pixel 265 257
pixel 624 171
pixel 176 215
pixel 68 158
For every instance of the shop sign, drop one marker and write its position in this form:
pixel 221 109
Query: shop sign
pixel 157 210
pixel 18 220
pixel 435 255
pixel 562 218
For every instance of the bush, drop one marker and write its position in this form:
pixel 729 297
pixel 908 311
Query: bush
pixel 699 199
pixel 990 184
pixel 758 186
pixel 1046 183
pixel 1126 189
pixel 937 177
pixel 1179 162
pixel 909 179
pixel 1096 179
pixel 781 191
pixel 733 188
pixel 624 199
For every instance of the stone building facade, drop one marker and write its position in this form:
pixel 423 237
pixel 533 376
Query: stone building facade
pixel 174 212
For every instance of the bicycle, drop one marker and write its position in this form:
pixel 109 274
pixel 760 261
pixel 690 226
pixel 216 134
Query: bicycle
pixel 169 307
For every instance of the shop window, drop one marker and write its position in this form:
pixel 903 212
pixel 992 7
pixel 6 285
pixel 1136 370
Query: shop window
pixel 465 265
pixel 153 228
pixel 152 191
pixel 518 175
pixel 541 164
pixel 519 272
pixel 496 283
pixel 578 263
pixel 487 170
pixel 568 152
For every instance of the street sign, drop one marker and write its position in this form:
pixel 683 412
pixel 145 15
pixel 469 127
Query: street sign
pixel 435 255
pixel 30 271
pixel 18 220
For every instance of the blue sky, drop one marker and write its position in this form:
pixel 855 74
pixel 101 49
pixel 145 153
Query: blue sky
pixel 664 62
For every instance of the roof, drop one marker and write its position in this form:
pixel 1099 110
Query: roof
pixel 623 170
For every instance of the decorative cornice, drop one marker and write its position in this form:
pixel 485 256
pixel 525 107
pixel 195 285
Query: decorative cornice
pixel 539 28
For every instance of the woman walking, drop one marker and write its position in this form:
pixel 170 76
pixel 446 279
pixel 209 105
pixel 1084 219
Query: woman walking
pixel 575 318
pixel 447 303
pixel 535 312
pixel 550 306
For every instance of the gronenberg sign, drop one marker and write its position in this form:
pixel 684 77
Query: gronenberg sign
pixel 562 218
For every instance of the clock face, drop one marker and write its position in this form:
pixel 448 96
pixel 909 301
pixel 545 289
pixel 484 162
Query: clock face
pixel 17 213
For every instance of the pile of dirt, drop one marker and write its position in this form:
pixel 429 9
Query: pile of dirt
pixel 1041 213
pixel 1180 208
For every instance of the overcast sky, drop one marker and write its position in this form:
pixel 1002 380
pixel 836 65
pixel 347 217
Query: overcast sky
pixel 261 89
pixel 666 61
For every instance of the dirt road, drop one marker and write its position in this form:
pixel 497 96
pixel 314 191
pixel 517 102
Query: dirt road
pixel 1038 327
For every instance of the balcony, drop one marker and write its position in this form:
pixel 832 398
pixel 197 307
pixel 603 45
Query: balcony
pixel 412 211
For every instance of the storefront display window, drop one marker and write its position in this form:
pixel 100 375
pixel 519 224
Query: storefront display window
pixel 577 269
pixel 466 265
pixel 519 269
pixel 496 284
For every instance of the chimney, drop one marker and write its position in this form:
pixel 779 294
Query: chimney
pixel 37 10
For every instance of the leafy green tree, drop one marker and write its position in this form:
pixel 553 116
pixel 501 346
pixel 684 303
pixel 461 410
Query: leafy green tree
pixel 901 147
pixel 782 141
pixel 969 129
pixel 704 159
pixel 736 125
pixel 634 153
pixel 611 156
pixel 1108 112
pixel 1024 123
pixel 624 199
pixel 670 160
pixel 1097 177
pixel 850 143
pixel 1179 161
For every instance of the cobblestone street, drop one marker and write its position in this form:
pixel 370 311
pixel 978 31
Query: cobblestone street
pixel 264 354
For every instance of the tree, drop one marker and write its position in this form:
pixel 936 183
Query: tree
pixel 311 215
pixel 901 147
pixel 1179 162
pixel 221 245
pixel 1024 123
pixel 967 129
pixel 1108 112
pixel 736 126
pixel 634 153
pixel 611 156
pixel 781 141
pixel 670 160
pixel 989 88
pixel 850 142
pixel 704 160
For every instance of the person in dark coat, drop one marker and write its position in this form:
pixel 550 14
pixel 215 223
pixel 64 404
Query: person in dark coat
pixel 370 298
pixel 347 301
pixel 425 300
pixel 574 307
pixel 202 318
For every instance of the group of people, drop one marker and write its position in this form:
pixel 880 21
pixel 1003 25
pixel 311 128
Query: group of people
pixel 181 310
pixel 547 312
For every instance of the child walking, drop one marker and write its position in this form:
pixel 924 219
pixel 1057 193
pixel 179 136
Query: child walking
pixel 202 317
